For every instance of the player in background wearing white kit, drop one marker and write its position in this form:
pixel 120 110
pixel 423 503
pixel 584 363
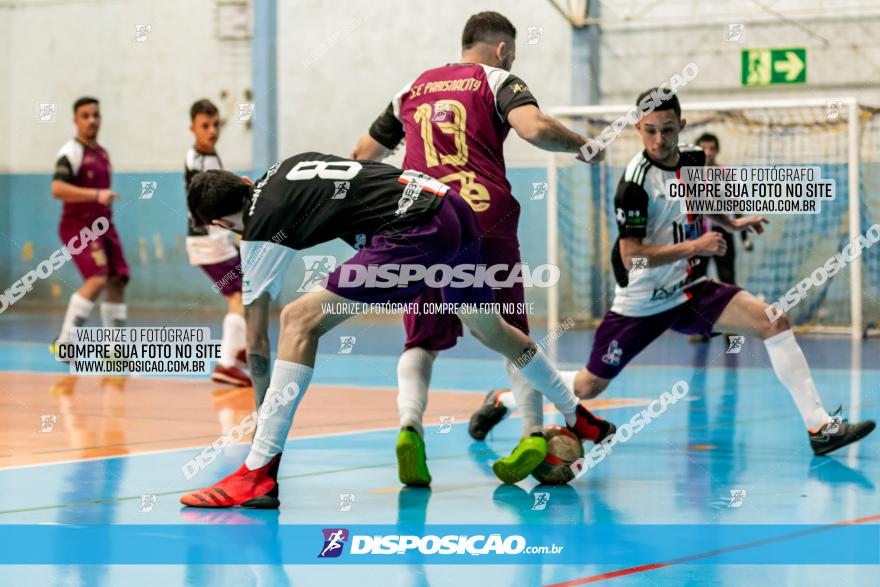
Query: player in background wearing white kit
pixel 213 249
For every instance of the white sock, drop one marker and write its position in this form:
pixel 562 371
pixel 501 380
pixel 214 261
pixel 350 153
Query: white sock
pixel 507 399
pixel 233 338
pixel 78 311
pixel 568 378
pixel 527 399
pixel 286 389
pixel 543 376
pixel 113 315
pixel 791 368
pixel 413 378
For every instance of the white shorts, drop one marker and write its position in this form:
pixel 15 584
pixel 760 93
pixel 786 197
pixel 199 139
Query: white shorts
pixel 264 264
pixel 215 247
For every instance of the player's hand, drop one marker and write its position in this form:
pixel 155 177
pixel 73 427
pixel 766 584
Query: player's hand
pixel 748 246
pixel 247 180
pixel 106 196
pixel 755 223
pixel 595 160
pixel 711 244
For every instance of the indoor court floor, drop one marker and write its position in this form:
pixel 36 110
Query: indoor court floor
pixel 92 499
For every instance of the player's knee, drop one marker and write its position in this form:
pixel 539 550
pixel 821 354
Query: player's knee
pixel 589 386
pixel 296 321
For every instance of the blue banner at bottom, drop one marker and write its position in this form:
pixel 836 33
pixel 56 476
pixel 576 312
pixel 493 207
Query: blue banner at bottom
pixel 256 542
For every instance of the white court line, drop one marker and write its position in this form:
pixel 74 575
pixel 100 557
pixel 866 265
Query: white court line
pixel 203 446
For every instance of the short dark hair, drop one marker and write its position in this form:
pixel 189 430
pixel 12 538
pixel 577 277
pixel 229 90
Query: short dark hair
pixel 667 103
pixel 203 106
pixel 214 194
pixel 84 101
pixel 708 137
pixel 486 27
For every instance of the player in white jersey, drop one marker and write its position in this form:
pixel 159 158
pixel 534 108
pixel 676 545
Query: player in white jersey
pixel 658 291
pixel 213 249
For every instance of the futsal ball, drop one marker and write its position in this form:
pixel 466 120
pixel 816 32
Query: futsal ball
pixel 563 449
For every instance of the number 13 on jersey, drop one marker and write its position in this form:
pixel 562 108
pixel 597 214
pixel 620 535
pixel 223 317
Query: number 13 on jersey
pixel 451 118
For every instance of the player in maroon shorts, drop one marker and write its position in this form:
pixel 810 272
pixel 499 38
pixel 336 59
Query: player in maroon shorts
pixel 662 292
pixel 82 182
pixel 455 119
pixel 213 249
pixel 413 221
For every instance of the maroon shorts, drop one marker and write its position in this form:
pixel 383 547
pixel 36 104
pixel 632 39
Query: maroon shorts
pixel 437 332
pixel 226 275
pixel 620 338
pixel 103 256
pixel 450 237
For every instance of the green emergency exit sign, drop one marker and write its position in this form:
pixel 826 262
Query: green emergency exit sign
pixel 770 67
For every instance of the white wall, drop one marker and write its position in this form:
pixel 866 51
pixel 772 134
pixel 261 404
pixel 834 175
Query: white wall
pixel 340 63
pixel 60 51
pixel 5 86
pixel 843 51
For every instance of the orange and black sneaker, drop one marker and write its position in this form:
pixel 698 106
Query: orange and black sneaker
pixel 487 416
pixel 589 427
pixel 247 488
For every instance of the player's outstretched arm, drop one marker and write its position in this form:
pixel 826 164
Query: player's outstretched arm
pixel 67 192
pixel 709 244
pixel 369 149
pixel 256 316
pixel 543 131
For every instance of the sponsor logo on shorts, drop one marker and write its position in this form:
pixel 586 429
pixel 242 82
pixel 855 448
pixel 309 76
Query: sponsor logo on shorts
pixel 613 354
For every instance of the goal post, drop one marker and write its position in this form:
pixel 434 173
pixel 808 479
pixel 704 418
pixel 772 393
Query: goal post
pixel 839 135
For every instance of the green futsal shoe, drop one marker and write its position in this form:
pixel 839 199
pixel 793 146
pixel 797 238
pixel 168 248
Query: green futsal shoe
pixel 412 468
pixel 529 453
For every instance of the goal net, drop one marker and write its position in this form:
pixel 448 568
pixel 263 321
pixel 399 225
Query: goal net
pixel 840 136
